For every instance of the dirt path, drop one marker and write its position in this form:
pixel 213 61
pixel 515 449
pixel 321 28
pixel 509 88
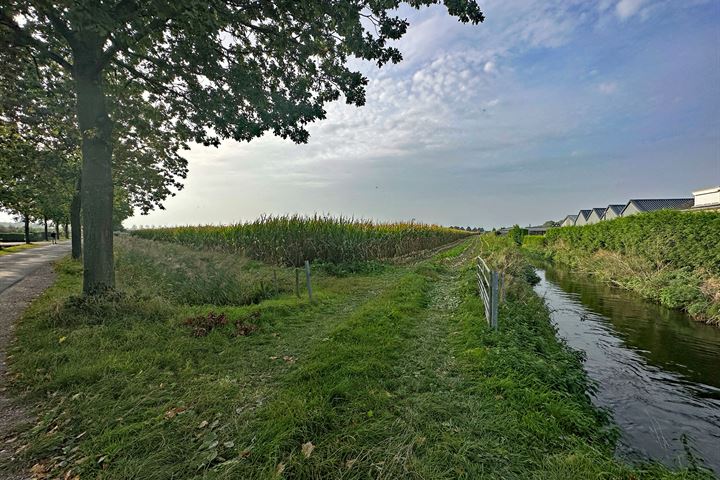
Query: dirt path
pixel 23 276
pixel 18 265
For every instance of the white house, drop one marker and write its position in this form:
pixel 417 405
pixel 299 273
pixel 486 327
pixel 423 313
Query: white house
pixel 595 216
pixel 569 221
pixel 613 211
pixel 707 199
pixel 582 217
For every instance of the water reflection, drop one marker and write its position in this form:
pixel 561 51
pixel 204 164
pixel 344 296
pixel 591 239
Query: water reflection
pixel 657 370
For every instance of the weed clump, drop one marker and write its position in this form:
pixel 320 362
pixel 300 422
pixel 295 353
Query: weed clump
pixel 113 305
pixel 204 324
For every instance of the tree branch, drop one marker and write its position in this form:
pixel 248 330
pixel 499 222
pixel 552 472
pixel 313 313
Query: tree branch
pixel 56 22
pixel 118 46
pixel 21 38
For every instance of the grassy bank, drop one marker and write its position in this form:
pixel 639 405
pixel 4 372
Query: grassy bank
pixel 290 240
pixel 670 257
pixel 17 248
pixel 391 374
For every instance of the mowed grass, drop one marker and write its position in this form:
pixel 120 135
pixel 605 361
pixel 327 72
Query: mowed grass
pixel 17 248
pixel 386 375
pixel 290 240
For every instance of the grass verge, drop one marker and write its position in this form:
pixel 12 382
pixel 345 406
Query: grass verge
pixel 17 248
pixel 387 375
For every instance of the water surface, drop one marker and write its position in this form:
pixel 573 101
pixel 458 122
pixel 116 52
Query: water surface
pixel 657 370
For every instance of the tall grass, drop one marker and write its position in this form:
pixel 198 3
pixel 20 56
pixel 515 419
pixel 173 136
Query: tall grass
pixel 292 239
pixel 188 277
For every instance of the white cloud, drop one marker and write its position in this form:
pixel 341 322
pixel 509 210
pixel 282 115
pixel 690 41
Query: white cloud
pixel 443 117
pixel 608 88
pixel 627 8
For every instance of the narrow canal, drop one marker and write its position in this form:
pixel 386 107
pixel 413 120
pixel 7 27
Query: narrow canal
pixel 656 370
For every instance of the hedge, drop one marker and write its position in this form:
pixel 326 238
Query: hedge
pixel 666 237
pixel 20 237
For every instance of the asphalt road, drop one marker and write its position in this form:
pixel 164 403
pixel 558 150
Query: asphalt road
pixel 16 266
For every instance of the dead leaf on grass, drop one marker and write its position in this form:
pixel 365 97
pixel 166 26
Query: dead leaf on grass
pixel 307 449
pixel 173 412
pixel 40 471
pixel 243 329
pixel 280 468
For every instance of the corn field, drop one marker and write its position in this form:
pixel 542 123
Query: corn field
pixel 290 240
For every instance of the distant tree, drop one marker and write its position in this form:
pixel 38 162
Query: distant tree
pixel 208 70
pixel 551 223
pixel 517 233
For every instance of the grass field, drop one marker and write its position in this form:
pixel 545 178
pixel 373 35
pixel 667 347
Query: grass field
pixel 290 240
pixel 388 374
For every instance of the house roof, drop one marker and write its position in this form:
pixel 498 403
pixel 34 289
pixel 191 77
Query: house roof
pixel 598 211
pixel 649 205
pixel 584 213
pixel 616 208
pixel 571 217
pixel 705 191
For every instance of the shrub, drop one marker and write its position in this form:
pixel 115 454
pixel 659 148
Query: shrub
pixel 666 237
pixel 533 241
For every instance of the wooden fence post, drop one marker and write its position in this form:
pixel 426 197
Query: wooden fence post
pixel 307 278
pixel 494 299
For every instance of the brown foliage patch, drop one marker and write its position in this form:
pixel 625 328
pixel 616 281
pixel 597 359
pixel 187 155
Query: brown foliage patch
pixel 203 325
pixel 711 289
pixel 244 327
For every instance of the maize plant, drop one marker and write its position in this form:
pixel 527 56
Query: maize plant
pixel 292 239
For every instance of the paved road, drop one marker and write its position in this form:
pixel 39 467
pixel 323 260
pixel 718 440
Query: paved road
pixel 16 266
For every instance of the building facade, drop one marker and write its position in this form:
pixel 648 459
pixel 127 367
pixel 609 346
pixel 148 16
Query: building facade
pixel 596 215
pixel 582 217
pixel 569 221
pixel 707 199
pixel 613 211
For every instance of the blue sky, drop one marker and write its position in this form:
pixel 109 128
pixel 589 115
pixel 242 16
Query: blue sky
pixel 548 107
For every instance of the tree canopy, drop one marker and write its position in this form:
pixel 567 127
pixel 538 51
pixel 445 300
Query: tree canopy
pixel 200 71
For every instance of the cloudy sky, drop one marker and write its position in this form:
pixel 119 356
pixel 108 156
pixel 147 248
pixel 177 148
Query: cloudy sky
pixel 548 107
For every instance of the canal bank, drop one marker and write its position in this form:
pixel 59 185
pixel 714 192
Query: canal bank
pixel 656 370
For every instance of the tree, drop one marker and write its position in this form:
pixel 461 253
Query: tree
pixel 42 112
pixel 517 233
pixel 210 69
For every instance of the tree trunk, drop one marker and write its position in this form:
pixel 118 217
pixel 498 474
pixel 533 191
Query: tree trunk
pixel 27 228
pixel 97 188
pixel 75 229
pixel 46 230
pixel 66 229
pixel 57 229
